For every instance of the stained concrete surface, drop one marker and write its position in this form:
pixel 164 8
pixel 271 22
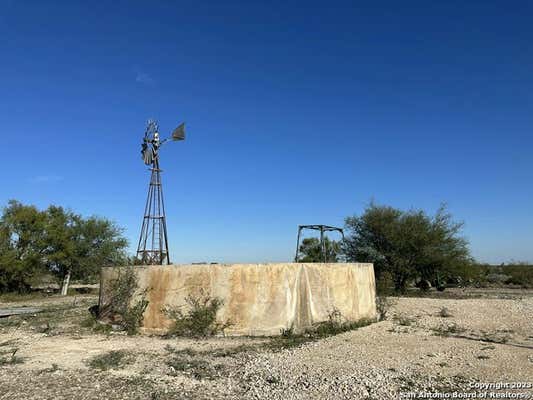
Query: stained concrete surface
pixel 259 299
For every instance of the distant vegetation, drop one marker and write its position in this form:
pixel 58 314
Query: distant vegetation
pixel 407 248
pixel 482 275
pixel 54 242
pixel 412 247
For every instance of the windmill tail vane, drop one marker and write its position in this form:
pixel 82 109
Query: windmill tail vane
pixel 152 248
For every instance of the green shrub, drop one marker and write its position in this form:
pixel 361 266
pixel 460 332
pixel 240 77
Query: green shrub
pixel 288 339
pixel 114 359
pixel 519 274
pixel 404 320
pixel 382 307
pixel 231 352
pixel 96 326
pixel 200 319
pixel 133 318
pixel 196 368
pixel 449 330
pixel 10 359
pixel 332 326
pixel 445 313
pixel 88 322
pixel 119 305
pixel 287 332
pixel 514 273
pixel 336 324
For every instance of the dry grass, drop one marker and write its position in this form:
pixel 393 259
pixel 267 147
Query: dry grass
pixel 114 359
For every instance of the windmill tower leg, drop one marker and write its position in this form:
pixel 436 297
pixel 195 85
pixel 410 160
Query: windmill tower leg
pixel 152 248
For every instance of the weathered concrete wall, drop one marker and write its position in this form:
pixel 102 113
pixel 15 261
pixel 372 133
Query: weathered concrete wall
pixel 259 299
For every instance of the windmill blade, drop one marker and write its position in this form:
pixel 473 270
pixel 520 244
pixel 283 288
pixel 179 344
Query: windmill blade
pixel 147 154
pixel 179 132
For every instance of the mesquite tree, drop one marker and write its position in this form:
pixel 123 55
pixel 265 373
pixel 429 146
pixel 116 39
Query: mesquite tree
pixel 409 245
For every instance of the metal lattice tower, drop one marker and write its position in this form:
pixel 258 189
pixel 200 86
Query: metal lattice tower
pixel 153 241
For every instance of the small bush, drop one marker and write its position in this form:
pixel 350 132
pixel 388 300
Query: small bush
pixel 188 361
pixel 445 313
pixel 217 353
pixel 449 330
pixel 45 328
pixel 132 319
pixel 334 325
pixel 88 322
pixel 114 359
pixel 198 369
pixel 242 348
pixel 95 325
pixel 404 320
pixel 328 329
pixel 382 306
pixel 287 341
pixel 287 332
pixel 11 359
pixel 119 307
pixel 200 320
pixel 496 337
pixel 186 351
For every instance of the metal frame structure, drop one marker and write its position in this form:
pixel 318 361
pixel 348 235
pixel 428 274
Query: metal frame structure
pixel 153 241
pixel 322 229
pixel 152 248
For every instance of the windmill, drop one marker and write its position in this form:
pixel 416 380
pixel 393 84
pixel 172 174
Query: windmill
pixel 153 241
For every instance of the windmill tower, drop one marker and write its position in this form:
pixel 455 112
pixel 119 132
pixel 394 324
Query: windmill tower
pixel 153 241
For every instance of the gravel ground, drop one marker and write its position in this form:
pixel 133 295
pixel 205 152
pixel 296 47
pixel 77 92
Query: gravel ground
pixel 419 347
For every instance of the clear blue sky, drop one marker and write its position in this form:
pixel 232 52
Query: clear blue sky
pixel 297 113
